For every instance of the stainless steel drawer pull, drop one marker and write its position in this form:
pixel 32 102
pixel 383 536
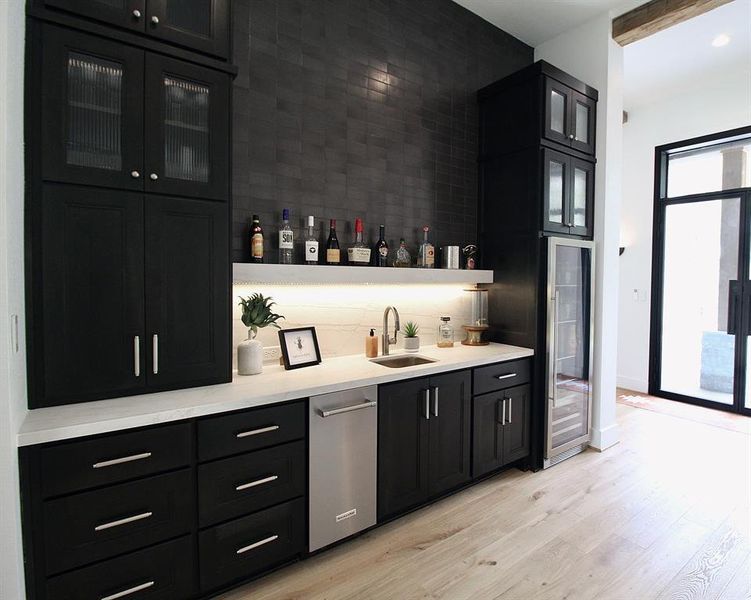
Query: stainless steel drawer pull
pixel 257 431
pixel 257 544
pixel 503 418
pixel 510 404
pixel 508 376
pixel 124 521
pixel 137 356
pixel 129 591
pixel 427 403
pixel 346 409
pixel 119 461
pixel 155 353
pixel 251 484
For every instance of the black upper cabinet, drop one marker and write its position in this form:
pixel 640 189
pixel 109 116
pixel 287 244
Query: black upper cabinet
pixel 568 194
pixel 187 125
pixel 92 110
pixel 89 328
pixel 201 25
pixel 569 117
pixel 187 291
pixel 583 119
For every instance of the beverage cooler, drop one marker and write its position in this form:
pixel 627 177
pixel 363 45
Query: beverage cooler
pixel 570 294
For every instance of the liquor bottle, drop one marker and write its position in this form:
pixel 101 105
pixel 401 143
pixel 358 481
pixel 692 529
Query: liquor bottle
pixel 426 256
pixel 256 241
pixel 381 249
pixel 286 240
pixel 402 258
pixel 311 244
pixel 359 253
pixel 332 245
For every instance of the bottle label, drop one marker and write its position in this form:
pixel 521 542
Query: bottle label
pixel 429 255
pixel 358 255
pixel 285 240
pixel 256 245
pixel 332 255
pixel 311 251
pixel 383 251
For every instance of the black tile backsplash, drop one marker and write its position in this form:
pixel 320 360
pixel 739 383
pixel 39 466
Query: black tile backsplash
pixel 361 108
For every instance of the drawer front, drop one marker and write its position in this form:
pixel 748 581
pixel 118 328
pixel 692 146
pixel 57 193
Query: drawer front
pixel 252 544
pixel 164 572
pixel 86 464
pixel 250 430
pixel 92 526
pixel 502 376
pixel 243 484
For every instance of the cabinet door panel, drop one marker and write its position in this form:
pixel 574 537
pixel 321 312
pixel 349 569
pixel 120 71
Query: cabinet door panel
pixel 450 431
pixel 187 283
pixel 403 430
pixel 555 173
pixel 516 429
pixel 487 440
pixel 581 201
pixel 198 24
pixel 583 115
pixel 187 125
pixel 92 110
pixel 124 13
pixel 91 307
pixel 557 112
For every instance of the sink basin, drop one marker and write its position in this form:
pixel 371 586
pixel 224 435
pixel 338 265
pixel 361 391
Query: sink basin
pixel 402 360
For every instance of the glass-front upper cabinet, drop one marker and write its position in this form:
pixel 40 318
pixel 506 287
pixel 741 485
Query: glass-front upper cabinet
pixel 92 116
pixel 568 191
pixel 581 197
pixel 123 13
pixel 569 117
pixel 187 126
pixel 583 111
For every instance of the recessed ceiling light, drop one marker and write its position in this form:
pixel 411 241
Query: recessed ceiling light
pixel 721 40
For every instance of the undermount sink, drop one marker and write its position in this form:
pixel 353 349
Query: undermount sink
pixel 401 361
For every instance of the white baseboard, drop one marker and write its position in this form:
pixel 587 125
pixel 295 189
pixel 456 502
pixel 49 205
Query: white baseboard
pixel 630 383
pixel 602 439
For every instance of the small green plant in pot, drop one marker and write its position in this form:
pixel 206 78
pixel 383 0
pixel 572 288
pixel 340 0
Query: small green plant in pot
pixel 411 339
pixel 256 314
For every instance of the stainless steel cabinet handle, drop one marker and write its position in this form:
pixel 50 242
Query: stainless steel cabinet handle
pixel 267 540
pixel 155 354
pixel 435 401
pixel 129 591
pixel 153 177
pixel 503 418
pixel 135 174
pixel 427 403
pixel 155 20
pixel 251 484
pixel 257 431
pixel 137 356
pixel 510 404
pixel 507 376
pixel 120 461
pixel 346 409
pixel 124 521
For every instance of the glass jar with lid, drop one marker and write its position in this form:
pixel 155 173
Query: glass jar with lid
pixel 445 333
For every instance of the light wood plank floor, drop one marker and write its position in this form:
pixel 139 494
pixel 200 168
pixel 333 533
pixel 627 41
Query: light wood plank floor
pixel 664 515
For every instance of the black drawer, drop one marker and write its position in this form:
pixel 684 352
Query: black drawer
pixel 76 466
pixel 502 376
pixel 91 526
pixel 250 430
pixel 264 478
pixel 163 572
pixel 251 545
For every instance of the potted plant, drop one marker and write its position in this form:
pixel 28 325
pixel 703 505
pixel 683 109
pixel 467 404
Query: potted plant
pixel 411 340
pixel 256 314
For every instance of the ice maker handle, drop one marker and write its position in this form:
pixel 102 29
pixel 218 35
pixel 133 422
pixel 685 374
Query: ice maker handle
pixel 346 409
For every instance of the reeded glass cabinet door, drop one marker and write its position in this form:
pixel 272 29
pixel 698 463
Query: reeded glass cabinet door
pixel 125 13
pixel 92 123
pixel 186 129
pixel 582 123
pixel 557 111
pixel 556 167
pixel 198 24
pixel 581 197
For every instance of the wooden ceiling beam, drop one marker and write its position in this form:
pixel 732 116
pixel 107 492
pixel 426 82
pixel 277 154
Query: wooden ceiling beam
pixel 657 15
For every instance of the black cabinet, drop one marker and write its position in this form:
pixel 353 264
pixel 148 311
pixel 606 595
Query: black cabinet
pixel 500 428
pixel 201 25
pixel 569 117
pixel 568 194
pixel 423 440
pixel 116 116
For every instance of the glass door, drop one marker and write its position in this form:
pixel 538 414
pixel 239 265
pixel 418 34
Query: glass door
pixel 570 288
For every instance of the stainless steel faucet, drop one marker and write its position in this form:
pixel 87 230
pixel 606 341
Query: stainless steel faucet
pixel 385 339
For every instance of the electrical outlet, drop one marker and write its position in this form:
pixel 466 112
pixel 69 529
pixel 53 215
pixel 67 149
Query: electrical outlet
pixel 272 353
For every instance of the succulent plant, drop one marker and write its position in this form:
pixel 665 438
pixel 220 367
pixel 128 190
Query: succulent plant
pixel 257 312
pixel 410 329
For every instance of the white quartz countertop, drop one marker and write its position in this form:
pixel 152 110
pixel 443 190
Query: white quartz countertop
pixel 273 385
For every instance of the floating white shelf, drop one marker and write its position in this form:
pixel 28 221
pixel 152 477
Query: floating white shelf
pixel 330 275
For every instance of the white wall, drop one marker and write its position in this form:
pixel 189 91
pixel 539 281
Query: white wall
pixel 589 53
pixel 12 363
pixel 713 103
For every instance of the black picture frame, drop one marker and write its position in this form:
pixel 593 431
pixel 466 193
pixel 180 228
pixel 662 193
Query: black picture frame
pixel 287 336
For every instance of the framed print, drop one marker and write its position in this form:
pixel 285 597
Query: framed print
pixel 299 347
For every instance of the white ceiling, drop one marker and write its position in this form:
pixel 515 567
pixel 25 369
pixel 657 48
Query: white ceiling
pixel 537 21
pixel 681 57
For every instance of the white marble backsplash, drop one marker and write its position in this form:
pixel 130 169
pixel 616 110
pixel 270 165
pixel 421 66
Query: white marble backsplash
pixel 343 315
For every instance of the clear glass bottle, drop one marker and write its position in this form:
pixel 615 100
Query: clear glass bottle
pixel 445 333
pixel 311 243
pixel 426 256
pixel 402 257
pixel 286 240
